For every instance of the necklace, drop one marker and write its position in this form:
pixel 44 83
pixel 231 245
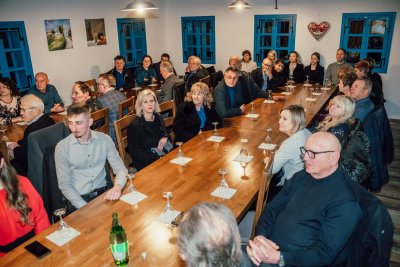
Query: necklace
pixel 1 99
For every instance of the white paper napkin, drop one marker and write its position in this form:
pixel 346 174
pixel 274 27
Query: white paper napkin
pixel 153 84
pixel 286 93
pixel 242 158
pixel 181 160
pixel 168 217
pixel 133 198
pixel 292 86
pixel 267 146
pixel 315 93
pixel 216 139
pixel 307 84
pixel 269 101
pixel 61 238
pixel 223 192
pixel 252 116
pixel 310 99
pixel 325 88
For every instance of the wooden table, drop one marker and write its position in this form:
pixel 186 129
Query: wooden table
pixel 190 184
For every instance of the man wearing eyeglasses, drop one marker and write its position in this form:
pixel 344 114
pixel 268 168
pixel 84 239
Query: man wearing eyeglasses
pixel 263 76
pixel 311 220
pixel 32 113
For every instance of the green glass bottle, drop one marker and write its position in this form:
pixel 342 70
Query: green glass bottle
pixel 118 242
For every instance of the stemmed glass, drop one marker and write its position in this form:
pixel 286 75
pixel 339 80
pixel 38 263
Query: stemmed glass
pixel 244 152
pixel 3 129
pixel 269 97
pixel 215 131
pixel 287 87
pixel 222 172
pixel 326 83
pixel 168 196
pixel 316 87
pixel 268 139
pixel 131 176
pixel 252 108
pixel 307 80
pixel 63 228
pixel 180 152
pixel 291 79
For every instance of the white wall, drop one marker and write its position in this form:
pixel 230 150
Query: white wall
pixel 234 33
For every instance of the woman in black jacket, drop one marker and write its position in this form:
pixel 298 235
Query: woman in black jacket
pixel 315 71
pixel 294 68
pixel 196 114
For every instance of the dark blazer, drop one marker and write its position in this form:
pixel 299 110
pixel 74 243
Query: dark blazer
pixel 187 121
pixel 258 78
pixel 298 72
pixel 317 75
pixel 129 77
pixel 278 78
pixel 191 78
pixel 156 67
pixel 250 89
pixel 141 138
pixel 20 161
pixel 223 102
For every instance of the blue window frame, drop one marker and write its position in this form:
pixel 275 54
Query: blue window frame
pixel 15 59
pixel 198 38
pixel 368 35
pixel 273 32
pixel 132 40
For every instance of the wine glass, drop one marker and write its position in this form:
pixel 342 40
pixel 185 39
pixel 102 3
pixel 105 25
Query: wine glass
pixel 252 111
pixel 317 87
pixel 215 131
pixel 180 152
pixel 131 176
pixel 244 152
pixel 326 83
pixel 287 87
pixel 269 97
pixel 63 227
pixel 268 138
pixel 3 129
pixel 291 79
pixel 307 80
pixel 168 196
pixel 222 172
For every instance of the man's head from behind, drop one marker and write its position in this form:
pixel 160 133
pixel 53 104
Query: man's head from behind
pixel 41 81
pixel 166 69
pixel 321 154
pixel 31 107
pixel 209 236
pixel 79 120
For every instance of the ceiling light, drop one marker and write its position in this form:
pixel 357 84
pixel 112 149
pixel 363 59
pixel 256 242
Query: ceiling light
pixel 240 4
pixel 139 5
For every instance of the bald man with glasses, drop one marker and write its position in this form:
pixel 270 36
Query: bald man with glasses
pixel 311 220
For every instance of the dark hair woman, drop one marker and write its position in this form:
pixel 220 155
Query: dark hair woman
pixel 10 101
pixel 315 71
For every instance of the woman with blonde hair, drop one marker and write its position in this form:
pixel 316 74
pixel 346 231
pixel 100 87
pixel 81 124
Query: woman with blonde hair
pixel 148 139
pixel 272 55
pixel 196 114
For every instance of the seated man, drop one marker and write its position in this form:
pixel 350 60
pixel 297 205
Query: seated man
pixel 209 236
pixel 332 70
pixel 48 93
pixel 228 94
pixel 194 72
pixel 156 66
pixel 167 72
pixel 110 98
pixel 359 92
pixel 123 76
pixel 32 108
pixel 81 159
pixel 311 220
pixel 263 76
pixel 250 89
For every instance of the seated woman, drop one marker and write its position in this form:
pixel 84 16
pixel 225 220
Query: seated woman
pixel 196 114
pixel 248 65
pixel 81 93
pixel 277 73
pixel 10 102
pixel 287 160
pixel 272 55
pixel 315 71
pixel 294 68
pixel 145 73
pixel 22 214
pixel 347 77
pixel 148 139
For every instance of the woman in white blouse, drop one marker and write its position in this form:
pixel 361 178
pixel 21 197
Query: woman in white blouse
pixel 287 160
pixel 247 63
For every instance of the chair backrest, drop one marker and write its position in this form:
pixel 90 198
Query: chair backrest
pixel 210 69
pixel 262 193
pixel 178 92
pixel 215 78
pixel 126 107
pixel 206 80
pixel 92 85
pixel 101 121
pixel 121 127
pixel 168 112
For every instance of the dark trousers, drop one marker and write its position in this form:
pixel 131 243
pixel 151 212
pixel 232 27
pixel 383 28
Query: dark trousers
pixel 87 197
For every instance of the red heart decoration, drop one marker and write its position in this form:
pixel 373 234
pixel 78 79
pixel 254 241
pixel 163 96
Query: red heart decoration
pixel 318 30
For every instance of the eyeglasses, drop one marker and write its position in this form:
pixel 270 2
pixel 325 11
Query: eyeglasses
pixel 311 154
pixel 25 109
pixel 228 77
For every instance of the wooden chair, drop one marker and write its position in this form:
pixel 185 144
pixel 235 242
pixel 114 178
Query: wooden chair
pixel 121 126
pixel 101 121
pixel 206 80
pixel 169 109
pixel 215 78
pixel 129 105
pixel 262 193
pixel 92 85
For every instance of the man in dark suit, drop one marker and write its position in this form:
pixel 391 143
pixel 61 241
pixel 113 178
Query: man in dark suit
pixel 124 77
pixel 194 72
pixel 263 76
pixel 32 113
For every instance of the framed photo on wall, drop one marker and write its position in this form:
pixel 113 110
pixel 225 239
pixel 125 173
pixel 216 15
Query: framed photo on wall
pixel 58 34
pixel 95 32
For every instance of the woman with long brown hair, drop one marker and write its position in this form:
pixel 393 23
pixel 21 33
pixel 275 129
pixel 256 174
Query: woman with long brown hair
pixel 22 214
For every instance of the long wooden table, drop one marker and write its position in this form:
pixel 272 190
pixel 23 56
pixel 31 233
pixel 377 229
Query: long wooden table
pixel 190 184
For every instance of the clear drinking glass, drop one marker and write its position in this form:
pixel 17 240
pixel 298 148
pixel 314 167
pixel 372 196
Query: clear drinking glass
pixel 269 97
pixel 131 176
pixel 222 172
pixel 317 87
pixel 180 152
pixel 307 80
pixel 268 137
pixel 252 111
pixel 244 152
pixel 63 227
pixel 168 196
pixel 215 131
pixel 3 130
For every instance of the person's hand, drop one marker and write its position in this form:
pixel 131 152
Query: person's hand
pixel 114 193
pixel 153 80
pixel 269 250
pixel 267 160
pixel 162 143
pixel 254 253
pixel 279 97
pixel 57 108
pixel 242 108
pixel 16 119
pixel 187 69
pixel 12 145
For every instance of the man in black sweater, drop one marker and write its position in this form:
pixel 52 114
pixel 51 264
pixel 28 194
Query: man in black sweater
pixel 311 220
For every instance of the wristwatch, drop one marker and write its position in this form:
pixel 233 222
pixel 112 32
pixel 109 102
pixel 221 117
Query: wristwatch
pixel 281 261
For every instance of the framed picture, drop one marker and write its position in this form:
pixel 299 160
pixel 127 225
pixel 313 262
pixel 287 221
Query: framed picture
pixel 95 32
pixel 58 34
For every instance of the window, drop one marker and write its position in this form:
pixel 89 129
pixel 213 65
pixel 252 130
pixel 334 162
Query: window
pixel 132 40
pixel 198 38
pixel 15 59
pixel 273 32
pixel 368 35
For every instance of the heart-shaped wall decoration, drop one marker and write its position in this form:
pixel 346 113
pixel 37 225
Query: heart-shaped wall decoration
pixel 318 30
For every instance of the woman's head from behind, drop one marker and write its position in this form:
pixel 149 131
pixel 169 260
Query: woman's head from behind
pixel 292 119
pixel 342 108
pixel 200 94
pixel 146 102
pixel 80 92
